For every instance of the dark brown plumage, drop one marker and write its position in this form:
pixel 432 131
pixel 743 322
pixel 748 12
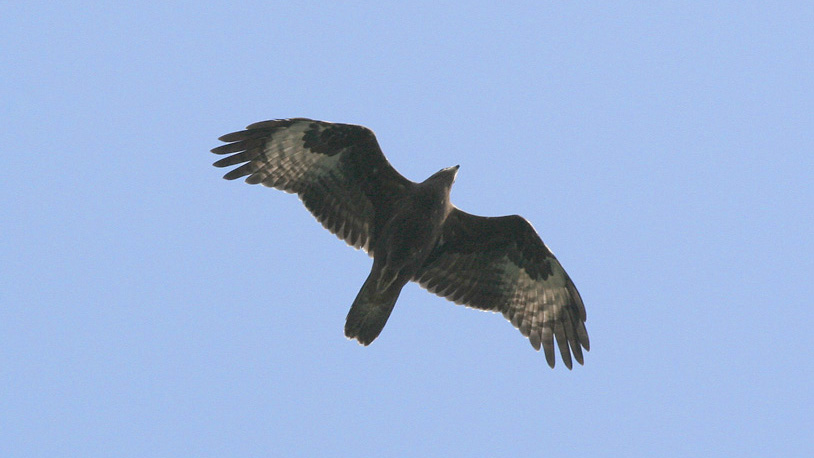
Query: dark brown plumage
pixel 412 231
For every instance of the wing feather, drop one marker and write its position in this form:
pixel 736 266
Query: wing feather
pixel 338 171
pixel 501 265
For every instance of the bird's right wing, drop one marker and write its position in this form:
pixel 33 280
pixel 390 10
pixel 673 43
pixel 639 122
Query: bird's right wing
pixel 501 264
pixel 338 170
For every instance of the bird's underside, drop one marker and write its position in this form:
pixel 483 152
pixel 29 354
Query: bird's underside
pixel 412 232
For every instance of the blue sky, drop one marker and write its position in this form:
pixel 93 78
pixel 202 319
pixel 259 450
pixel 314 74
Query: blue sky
pixel 662 150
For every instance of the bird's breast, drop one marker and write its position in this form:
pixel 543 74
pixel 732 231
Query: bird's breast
pixel 409 236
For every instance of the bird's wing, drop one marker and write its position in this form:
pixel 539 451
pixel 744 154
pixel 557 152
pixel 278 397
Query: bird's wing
pixel 501 264
pixel 338 170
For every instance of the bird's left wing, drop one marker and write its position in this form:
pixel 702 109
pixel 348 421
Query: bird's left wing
pixel 501 264
pixel 338 171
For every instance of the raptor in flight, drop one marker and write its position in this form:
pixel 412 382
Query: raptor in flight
pixel 412 231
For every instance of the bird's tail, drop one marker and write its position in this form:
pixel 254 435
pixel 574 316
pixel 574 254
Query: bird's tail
pixel 371 308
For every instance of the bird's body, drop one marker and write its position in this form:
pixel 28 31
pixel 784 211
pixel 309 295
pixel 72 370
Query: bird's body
pixel 412 231
pixel 401 249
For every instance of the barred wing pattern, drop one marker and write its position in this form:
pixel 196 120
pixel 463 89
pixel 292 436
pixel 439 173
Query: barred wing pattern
pixel 500 264
pixel 338 171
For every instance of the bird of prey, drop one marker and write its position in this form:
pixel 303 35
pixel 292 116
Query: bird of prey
pixel 412 231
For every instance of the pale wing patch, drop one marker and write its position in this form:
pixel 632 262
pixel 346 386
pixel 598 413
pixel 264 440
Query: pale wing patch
pixel 536 308
pixel 280 160
pixel 543 310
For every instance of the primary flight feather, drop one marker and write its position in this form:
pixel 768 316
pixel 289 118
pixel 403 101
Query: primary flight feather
pixel 412 231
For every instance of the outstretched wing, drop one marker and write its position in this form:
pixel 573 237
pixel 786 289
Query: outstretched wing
pixel 338 170
pixel 501 264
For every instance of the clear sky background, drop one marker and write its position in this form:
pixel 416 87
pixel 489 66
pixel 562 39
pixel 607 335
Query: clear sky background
pixel 151 309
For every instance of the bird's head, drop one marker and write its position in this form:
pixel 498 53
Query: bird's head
pixel 446 175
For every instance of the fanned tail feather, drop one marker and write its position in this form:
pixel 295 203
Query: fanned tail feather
pixel 371 309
